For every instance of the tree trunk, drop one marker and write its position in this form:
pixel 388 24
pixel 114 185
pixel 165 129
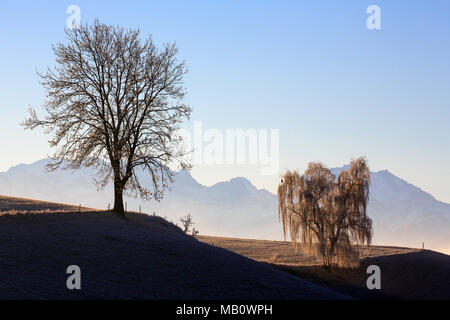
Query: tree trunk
pixel 118 199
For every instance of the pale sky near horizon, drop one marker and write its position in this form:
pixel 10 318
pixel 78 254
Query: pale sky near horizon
pixel 311 69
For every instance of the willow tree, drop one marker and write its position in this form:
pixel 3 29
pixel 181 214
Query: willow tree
pixel 327 214
pixel 114 101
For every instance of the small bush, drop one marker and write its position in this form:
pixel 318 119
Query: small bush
pixel 187 223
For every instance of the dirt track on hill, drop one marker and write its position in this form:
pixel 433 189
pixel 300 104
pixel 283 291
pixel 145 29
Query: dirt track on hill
pixel 18 205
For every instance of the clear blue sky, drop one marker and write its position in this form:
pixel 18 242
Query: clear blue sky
pixel 335 89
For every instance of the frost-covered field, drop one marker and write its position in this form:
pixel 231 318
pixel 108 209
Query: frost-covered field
pixel 405 273
pixel 143 258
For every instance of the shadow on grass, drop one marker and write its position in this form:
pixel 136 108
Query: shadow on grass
pixel 417 275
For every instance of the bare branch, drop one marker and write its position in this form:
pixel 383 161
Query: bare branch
pixel 115 102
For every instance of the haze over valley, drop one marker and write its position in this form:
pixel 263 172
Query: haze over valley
pixel 403 214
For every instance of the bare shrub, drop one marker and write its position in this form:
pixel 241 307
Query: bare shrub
pixel 195 232
pixel 327 215
pixel 187 222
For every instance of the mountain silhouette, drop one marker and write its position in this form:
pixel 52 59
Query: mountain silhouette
pixel 403 214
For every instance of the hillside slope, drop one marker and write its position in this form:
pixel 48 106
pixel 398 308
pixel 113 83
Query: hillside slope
pixel 403 214
pixel 143 258
pixel 405 273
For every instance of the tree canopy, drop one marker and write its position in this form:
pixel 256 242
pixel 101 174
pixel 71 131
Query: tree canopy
pixel 327 214
pixel 115 101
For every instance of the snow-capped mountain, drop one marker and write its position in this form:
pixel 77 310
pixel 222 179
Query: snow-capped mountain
pixel 403 214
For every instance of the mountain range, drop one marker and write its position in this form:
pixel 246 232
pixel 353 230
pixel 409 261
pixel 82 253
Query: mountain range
pixel 403 214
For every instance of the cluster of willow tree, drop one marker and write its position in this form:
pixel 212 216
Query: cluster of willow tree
pixel 326 214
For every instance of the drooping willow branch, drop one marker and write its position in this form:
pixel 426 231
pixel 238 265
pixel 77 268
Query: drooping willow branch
pixel 327 214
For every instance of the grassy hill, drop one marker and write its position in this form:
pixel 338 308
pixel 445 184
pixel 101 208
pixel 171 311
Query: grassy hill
pixel 145 257
pixel 405 273
pixel 150 258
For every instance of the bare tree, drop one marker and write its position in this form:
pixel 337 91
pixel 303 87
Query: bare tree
pixel 327 215
pixel 187 222
pixel 195 232
pixel 114 102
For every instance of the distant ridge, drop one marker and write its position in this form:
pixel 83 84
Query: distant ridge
pixel 403 214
